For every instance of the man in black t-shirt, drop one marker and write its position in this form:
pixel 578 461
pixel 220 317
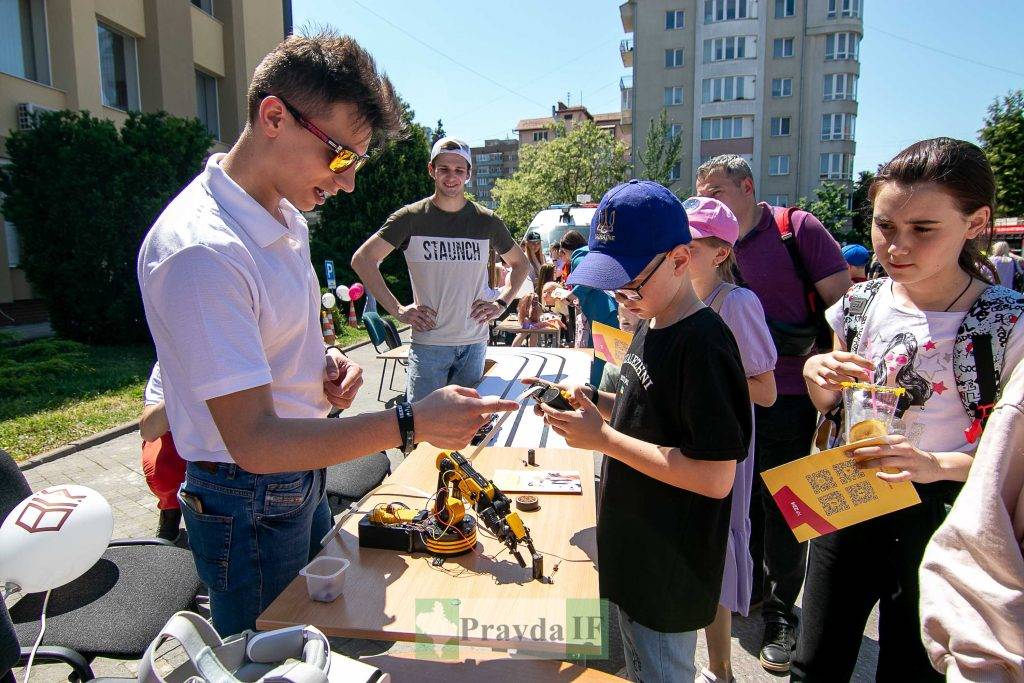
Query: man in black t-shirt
pixel 680 420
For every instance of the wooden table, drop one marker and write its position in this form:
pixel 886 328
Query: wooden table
pixel 399 354
pixel 407 667
pixel 391 595
pixel 532 333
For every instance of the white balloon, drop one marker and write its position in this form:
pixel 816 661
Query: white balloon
pixel 342 291
pixel 328 300
pixel 53 537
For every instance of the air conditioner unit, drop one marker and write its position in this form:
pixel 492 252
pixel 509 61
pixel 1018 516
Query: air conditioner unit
pixel 28 114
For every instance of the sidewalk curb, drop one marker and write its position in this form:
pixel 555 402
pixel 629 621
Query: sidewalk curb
pixel 114 432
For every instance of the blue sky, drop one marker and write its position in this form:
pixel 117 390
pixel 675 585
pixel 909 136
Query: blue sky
pixel 481 66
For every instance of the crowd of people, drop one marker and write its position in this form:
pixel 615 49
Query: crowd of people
pixel 746 320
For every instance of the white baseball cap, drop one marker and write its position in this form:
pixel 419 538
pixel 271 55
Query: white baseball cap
pixel 449 145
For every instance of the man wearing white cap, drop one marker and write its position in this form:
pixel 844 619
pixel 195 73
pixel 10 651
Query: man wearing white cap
pixel 446 240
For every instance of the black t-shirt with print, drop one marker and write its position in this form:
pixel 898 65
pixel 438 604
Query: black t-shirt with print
pixel 661 549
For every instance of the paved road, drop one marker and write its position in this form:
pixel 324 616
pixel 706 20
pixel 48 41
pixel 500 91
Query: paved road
pixel 114 470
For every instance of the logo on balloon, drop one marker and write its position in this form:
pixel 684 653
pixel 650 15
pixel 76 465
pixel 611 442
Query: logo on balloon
pixel 48 510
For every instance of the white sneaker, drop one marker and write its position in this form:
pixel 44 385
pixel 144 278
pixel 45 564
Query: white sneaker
pixel 706 676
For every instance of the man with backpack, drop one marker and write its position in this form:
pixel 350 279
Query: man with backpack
pixel 796 269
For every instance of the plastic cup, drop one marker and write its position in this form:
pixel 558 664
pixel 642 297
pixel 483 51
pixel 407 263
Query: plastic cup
pixel 868 410
pixel 325 578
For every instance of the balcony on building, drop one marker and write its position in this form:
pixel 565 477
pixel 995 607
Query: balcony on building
pixel 626 93
pixel 626 51
pixel 627 11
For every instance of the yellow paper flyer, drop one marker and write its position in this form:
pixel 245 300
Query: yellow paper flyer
pixel 825 491
pixel 610 344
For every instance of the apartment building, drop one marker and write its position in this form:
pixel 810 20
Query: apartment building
pixel 495 159
pixel 772 80
pixel 618 123
pixel 187 57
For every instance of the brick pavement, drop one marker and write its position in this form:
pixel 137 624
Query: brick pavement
pixel 114 469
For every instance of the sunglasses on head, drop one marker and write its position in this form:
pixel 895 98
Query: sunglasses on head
pixel 344 157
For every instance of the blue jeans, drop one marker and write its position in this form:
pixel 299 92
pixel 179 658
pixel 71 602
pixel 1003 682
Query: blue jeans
pixel 250 535
pixel 656 657
pixel 433 367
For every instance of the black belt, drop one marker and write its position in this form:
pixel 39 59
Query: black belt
pixel 207 466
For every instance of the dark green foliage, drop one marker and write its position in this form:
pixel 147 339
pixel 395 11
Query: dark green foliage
pixel 438 133
pixel 396 176
pixel 83 195
pixel 1002 138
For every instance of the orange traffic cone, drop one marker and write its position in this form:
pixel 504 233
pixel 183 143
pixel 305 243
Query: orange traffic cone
pixel 352 322
pixel 327 322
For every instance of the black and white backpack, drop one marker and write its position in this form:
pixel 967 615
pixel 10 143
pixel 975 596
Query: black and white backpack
pixel 978 350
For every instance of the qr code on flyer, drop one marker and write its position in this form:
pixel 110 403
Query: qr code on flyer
pixel 861 493
pixel 833 503
pixel 820 481
pixel 847 471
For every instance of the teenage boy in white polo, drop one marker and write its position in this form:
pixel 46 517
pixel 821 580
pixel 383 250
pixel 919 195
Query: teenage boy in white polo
pixel 233 304
pixel 446 240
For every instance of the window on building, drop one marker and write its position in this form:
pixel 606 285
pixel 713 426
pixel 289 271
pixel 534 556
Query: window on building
pixel 840 87
pixel 207 108
pixel 729 47
pixel 676 172
pixel 842 46
pixel 725 10
pixel 540 135
pixel 673 19
pixel 722 128
pixel 782 87
pixel 673 95
pixel 836 166
pixel 13 245
pixel 780 125
pixel 23 45
pixel 675 130
pixel 782 48
pixel 119 72
pixel 205 5
pixel 778 164
pixel 784 8
pixel 845 8
pixel 673 58
pixel 728 88
pixel 838 126
pixel 777 199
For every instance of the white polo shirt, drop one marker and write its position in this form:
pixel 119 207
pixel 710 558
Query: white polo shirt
pixel 233 303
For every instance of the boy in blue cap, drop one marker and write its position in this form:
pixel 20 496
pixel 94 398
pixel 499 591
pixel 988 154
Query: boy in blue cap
pixel 676 426
pixel 857 257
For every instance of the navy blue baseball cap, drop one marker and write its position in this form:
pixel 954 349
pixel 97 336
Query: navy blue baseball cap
pixel 634 222
pixel 856 255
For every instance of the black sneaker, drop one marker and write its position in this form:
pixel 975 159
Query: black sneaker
pixel 168 529
pixel 777 646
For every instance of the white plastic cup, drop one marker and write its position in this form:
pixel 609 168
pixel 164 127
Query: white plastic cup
pixel 325 578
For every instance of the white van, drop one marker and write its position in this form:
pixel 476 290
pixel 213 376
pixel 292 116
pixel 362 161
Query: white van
pixel 552 223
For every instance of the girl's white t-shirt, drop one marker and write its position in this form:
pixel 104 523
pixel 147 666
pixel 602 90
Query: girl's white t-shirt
pixel 913 349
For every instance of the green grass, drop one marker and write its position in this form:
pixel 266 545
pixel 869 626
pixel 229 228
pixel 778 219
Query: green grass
pixel 55 391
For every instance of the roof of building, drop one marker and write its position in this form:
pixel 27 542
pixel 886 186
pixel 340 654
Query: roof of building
pixel 530 124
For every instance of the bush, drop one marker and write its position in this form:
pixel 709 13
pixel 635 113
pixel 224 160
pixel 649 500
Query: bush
pixel 83 196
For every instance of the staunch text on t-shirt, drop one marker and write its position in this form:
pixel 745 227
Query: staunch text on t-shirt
pixel 661 549
pixel 447 254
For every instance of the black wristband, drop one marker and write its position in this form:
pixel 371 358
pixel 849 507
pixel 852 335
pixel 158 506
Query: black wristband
pixel 334 346
pixel 594 396
pixel 502 302
pixel 406 426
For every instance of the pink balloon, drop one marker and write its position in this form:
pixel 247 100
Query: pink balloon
pixel 356 291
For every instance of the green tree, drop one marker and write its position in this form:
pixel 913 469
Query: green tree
pixel 661 151
pixel 395 177
pixel 1002 138
pixel 860 224
pixel 83 195
pixel 438 133
pixel 584 160
pixel 830 207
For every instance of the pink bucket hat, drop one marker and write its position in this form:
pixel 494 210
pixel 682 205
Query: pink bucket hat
pixel 711 218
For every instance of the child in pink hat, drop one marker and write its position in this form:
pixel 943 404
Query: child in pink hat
pixel 714 230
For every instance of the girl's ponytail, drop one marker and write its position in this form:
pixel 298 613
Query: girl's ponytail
pixel 962 170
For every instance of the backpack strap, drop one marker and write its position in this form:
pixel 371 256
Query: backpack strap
pixel 783 216
pixel 978 352
pixel 855 309
pixel 719 296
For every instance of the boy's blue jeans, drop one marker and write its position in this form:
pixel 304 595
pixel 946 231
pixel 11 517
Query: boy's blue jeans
pixel 656 657
pixel 252 535
pixel 433 367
